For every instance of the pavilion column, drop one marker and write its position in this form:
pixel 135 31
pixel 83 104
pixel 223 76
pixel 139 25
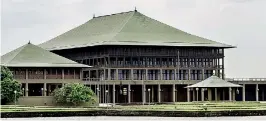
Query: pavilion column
pixel 197 90
pixel 223 94
pixel 230 94
pixel 216 94
pixel 244 93
pixel 159 93
pixel 263 98
pixel 209 94
pixel 114 93
pixel 129 93
pixel 202 94
pixel 188 94
pixel 234 94
pixel 173 92
pixel 257 92
pixel 27 89
pixel 194 94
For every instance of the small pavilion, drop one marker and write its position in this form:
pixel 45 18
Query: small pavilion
pixel 214 88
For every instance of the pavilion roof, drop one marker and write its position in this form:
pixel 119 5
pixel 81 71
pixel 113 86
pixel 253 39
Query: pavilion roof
pixel 127 28
pixel 30 55
pixel 213 81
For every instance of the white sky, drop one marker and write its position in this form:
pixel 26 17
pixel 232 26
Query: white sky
pixel 241 23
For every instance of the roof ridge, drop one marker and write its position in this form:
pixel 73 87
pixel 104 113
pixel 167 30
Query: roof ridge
pixel 123 26
pixel 23 47
pixel 113 14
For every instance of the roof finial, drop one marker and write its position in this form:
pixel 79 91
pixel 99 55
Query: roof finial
pixel 93 15
pixel 135 9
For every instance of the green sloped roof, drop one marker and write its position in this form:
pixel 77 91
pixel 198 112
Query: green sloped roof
pixel 31 55
pixel 214 81
pixel 128 28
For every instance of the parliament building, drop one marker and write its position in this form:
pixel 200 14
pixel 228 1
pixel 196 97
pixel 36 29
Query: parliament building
pixel 127 58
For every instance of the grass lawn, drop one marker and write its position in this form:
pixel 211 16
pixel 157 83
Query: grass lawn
pixel 185 106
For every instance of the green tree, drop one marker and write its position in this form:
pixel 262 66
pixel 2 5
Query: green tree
pixel 9 86
pixel 74 94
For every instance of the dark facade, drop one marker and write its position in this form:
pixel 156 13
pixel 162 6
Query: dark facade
pixel 137 68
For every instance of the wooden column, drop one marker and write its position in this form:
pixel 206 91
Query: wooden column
pixel 116 74
pixel 132 74
pixel 189 74
pixel 63 74
pixel 223 73
pixel 203 74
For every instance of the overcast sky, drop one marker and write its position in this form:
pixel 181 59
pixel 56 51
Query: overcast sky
pixel 241 23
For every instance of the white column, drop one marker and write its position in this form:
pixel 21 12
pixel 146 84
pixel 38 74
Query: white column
pixel 202 94
pixel 230 94
pixel 114 93
pixel 44 73
pixel 27 74
pixel 44 89
pixel 27 89
pixel 188 94
pixel 244 93
pixel 257 92
pixel 143 94
pixel 129 93
pixel 152 93
pixel 159 93
pixel 173 93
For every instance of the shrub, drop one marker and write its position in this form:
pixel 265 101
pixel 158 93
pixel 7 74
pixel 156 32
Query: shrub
pixel 74 94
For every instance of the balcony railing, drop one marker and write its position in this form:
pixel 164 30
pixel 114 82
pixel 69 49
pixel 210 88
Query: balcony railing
pixel 20 76
pixel 53 76
pixel 246 79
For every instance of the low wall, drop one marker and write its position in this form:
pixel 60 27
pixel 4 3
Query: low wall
pixel 43 101
pixel 36 101
pixel 135 113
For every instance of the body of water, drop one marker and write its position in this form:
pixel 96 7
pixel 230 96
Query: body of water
pixel 115 118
